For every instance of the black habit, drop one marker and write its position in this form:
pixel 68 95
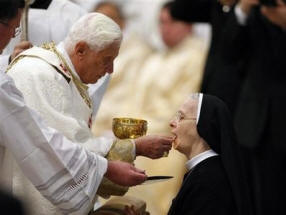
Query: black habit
pixel 205 190
pixel 260 117
pixel 217 185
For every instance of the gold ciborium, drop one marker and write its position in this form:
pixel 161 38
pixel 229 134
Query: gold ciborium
pixel 125 128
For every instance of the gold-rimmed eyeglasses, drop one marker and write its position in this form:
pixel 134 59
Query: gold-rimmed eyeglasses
pixel 179 116
pixel 17 30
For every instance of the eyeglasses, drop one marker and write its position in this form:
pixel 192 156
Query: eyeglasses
pixel 17 30
pixel 179 116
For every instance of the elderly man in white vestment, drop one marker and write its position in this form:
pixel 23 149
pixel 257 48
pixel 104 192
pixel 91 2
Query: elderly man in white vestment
pixel 35 142
pixel 51 20
pixel 53 81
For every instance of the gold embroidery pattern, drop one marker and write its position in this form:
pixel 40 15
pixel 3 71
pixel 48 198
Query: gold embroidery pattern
pixel 81 87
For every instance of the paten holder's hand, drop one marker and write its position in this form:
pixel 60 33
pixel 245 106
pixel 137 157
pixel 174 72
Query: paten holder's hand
pixel 124 174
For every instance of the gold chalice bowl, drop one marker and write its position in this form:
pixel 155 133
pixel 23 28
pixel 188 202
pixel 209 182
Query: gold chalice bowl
pixel 125 128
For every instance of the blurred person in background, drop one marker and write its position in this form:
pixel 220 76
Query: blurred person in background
pixel 159 83
pixel 222 79
pixel 87 5
pixel 170 74
pixel 113 11
pixel 257 29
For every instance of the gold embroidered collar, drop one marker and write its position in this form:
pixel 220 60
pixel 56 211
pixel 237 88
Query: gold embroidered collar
pixel 82 88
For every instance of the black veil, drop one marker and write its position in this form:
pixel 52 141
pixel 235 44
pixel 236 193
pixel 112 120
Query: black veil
pixel 216 128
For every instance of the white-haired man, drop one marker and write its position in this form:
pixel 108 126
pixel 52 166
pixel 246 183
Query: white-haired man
pixel 53 81
pixel 42 153
pixel 51 20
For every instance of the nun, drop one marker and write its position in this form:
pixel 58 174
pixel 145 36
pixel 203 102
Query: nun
pixel 214 183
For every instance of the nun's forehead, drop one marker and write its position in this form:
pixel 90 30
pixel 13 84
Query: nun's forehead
pixel 190 107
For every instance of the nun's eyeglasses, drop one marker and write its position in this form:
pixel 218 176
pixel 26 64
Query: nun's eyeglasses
pixel 17 30
pixel 179 116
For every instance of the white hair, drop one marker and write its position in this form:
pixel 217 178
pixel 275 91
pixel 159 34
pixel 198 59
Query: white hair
pixel 96 29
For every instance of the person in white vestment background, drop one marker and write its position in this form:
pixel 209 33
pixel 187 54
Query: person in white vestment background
pixel 153 91
pixel 53 81
pixel 41 152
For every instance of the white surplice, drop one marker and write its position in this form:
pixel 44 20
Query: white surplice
pixel 62 171
pixel 60 104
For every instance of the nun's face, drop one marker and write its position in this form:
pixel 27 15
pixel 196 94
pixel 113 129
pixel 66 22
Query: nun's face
pixel 184 126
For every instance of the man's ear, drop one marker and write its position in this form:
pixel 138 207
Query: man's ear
pixel 81 49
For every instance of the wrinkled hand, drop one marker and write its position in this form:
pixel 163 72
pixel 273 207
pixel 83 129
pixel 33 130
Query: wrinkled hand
pixel 20 47
pixel 130 211
pixel 277 15
pixel 124 174
pixel 153 146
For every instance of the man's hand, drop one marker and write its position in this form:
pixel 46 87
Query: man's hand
pixel 20 47
pixel 277 15
pixel 124 174
pixel 153 146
